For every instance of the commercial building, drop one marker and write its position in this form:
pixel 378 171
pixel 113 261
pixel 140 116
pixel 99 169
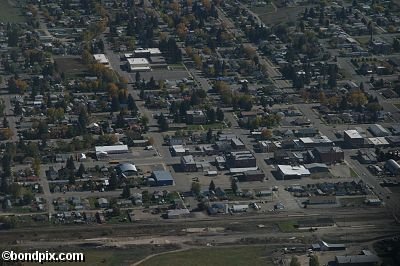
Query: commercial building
pixel 237 144
pixel 393 167
pixel 141 52
pixel 366 258
pixel 393 140
pixel 377 142
pixel 163 178
pixel 367 157
pixel 315 200
pixel 241 159
pixel 138 64
pixel 353 139
pixel 378 130
pixel 328 155
pixel 101 59
pixel 267 145
pixel 113 149
pixel 323 246
pixel 317 168
pixel 178 150
pixel 188 164
pixel 322 141
pixel 240 208
pixel 306 132
pixel 292 172
pixel 256 175
pixel 177 213
pixel 196 117
pixel 126 169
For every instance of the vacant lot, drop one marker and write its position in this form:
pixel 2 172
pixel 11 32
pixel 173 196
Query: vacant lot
pixel 252 255
pixel 8 13
pixel 71 66
pixel 113 256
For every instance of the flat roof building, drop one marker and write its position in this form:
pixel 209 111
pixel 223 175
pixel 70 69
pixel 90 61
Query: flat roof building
pixel 316 142
pixel 188 163
pixel 113 149
pixel 365 259
pixel 101 59
pixel 353 138
pixel 328 155
pixel 163 178
pixel 138 64
pixel 142 52
pixel 241 159
pixel 378 130
pixel 292 172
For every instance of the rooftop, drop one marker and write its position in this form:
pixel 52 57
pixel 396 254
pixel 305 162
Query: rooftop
pixel 124 167
pixel 162 175
pixel 101 58
pixel 353 134
pixel 188 159
pixel 138 61
pixel 293 170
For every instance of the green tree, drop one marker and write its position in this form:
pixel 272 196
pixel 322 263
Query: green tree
pixel 314 260
pixel 234 186
pixel 15 190
pixel 295 261
pixel 396 45
pixel 71 177
pixel 211 187
pixel 209 135
pixel 83 119
pixel 126 192
pixel 195 188
pixel 162 122
pixel 211 115
pixel 70 165
pixel 131 103
pixel 220 114
pixel 113 181
pixel 81 170
pixel 28 197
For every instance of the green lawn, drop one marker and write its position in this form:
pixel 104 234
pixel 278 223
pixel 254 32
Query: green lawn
pixel 251 255
pixel 9 13
pixel 287 226
pixel 262 10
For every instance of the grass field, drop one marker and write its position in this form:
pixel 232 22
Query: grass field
pixel 262 10
pixel 288 226
pixel 71 67
pixel 8 13
pixel 252 255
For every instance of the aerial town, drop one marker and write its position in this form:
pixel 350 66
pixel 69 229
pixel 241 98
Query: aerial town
pixel 201 132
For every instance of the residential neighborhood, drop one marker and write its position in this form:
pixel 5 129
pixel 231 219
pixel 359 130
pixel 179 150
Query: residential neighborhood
pixel 179 127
